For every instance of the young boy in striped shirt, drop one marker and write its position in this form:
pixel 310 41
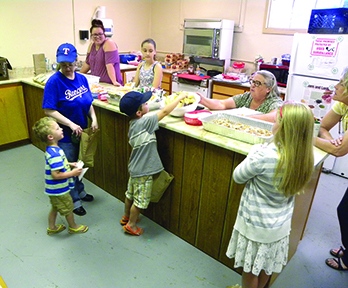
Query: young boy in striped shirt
pixel 58 177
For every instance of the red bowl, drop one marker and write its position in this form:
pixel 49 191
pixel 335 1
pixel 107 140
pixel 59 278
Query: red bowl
pixel 191 118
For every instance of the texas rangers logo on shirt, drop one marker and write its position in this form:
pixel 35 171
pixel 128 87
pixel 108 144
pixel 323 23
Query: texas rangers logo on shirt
pixel 71 95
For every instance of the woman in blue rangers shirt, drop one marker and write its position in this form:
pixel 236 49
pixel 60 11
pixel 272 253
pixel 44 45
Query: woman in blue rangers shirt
pixel 68 99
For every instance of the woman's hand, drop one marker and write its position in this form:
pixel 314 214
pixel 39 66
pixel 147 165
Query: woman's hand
pixel 337 142
pixel 94 126
pixel 76 129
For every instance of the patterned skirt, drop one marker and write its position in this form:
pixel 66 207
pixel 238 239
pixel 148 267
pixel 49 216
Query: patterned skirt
pixel 254 256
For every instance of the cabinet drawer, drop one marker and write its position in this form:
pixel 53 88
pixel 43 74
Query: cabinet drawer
pixel 229 91
pixel 219 96
pixel 167 78
pixel 165 86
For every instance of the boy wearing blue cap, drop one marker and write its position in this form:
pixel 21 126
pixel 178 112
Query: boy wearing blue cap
pixel 144 160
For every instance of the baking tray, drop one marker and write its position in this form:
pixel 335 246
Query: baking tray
pixel 236 134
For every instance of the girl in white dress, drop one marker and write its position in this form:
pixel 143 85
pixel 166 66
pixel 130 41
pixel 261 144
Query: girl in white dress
pixel 274 173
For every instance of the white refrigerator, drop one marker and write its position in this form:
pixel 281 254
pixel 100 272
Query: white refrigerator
pixel 317 63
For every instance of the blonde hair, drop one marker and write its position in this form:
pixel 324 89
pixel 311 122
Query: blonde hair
pixel 294 140
pixel 42 128
pixel 345 80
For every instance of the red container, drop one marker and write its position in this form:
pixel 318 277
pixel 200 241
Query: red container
pixel 191 118
pixel 286 62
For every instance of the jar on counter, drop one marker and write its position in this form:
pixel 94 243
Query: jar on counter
pixel 238 67
pixel 191 69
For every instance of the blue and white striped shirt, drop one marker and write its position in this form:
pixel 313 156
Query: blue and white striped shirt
pixel 56 160
pixel 264 213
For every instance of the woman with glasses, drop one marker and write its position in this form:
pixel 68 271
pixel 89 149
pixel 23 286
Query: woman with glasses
pixel 262 97
pixel 68 99
pixel 102 56
pixel 337 147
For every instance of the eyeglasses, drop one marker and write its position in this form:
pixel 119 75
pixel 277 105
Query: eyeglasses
pixel 66 66
pixel 97 35
pixel 256 83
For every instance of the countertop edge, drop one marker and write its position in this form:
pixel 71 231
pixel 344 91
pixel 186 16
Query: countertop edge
pixel 178 125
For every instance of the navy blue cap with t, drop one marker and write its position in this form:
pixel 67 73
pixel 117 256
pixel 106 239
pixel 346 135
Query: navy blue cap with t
pixel 131 101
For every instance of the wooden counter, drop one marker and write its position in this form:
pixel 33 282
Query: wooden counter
pixel 201 204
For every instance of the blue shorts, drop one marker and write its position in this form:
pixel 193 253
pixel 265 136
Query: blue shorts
pixel 139 191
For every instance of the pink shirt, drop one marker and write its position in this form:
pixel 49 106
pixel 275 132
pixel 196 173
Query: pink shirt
pixel 97 61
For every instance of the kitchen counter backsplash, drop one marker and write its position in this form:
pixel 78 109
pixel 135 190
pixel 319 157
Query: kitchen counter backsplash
pixel 21 72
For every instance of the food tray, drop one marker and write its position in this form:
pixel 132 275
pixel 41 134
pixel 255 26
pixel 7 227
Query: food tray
pixel 236 134
pixel 113 98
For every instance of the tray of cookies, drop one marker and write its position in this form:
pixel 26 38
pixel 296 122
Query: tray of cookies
pixel 238 127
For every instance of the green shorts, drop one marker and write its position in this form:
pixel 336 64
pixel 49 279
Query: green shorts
pixel 139 190
pixel 63 204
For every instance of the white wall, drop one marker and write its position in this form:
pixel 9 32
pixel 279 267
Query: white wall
pixel 40 26
pixel 249 14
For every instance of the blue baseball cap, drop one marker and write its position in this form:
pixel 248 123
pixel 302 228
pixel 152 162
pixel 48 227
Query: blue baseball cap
pixel 131 101
pixel 66 53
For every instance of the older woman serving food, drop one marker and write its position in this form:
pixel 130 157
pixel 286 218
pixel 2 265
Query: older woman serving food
pixel 263 97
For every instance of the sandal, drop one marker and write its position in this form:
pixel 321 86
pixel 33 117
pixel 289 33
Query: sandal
pixel 58 230
pixel 128 230
pixel 338 262
pixel 339 252
pixel 125 220
pixel 81 229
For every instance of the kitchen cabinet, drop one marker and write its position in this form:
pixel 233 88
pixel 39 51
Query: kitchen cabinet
pixel 13 119
pixel 33 104
pixel 166 84
pixel 123 73
pixel 226 90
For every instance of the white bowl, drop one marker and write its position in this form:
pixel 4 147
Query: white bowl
pixel 180 112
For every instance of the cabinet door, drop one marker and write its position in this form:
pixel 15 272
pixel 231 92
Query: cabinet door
pixel 33 104
pixel 128 75
pixel 166 84
pixel 13 119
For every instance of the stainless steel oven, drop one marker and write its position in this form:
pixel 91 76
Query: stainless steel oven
pixel 208 38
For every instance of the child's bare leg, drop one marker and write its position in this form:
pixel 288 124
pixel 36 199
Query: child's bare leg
pixel 263 279
pixel 127 207
pixel 133 217
pixel 71 221
pixel 249 280
pixel 52 216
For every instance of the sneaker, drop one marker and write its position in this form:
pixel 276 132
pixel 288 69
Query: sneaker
pixel 80 211
pixel 88 198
